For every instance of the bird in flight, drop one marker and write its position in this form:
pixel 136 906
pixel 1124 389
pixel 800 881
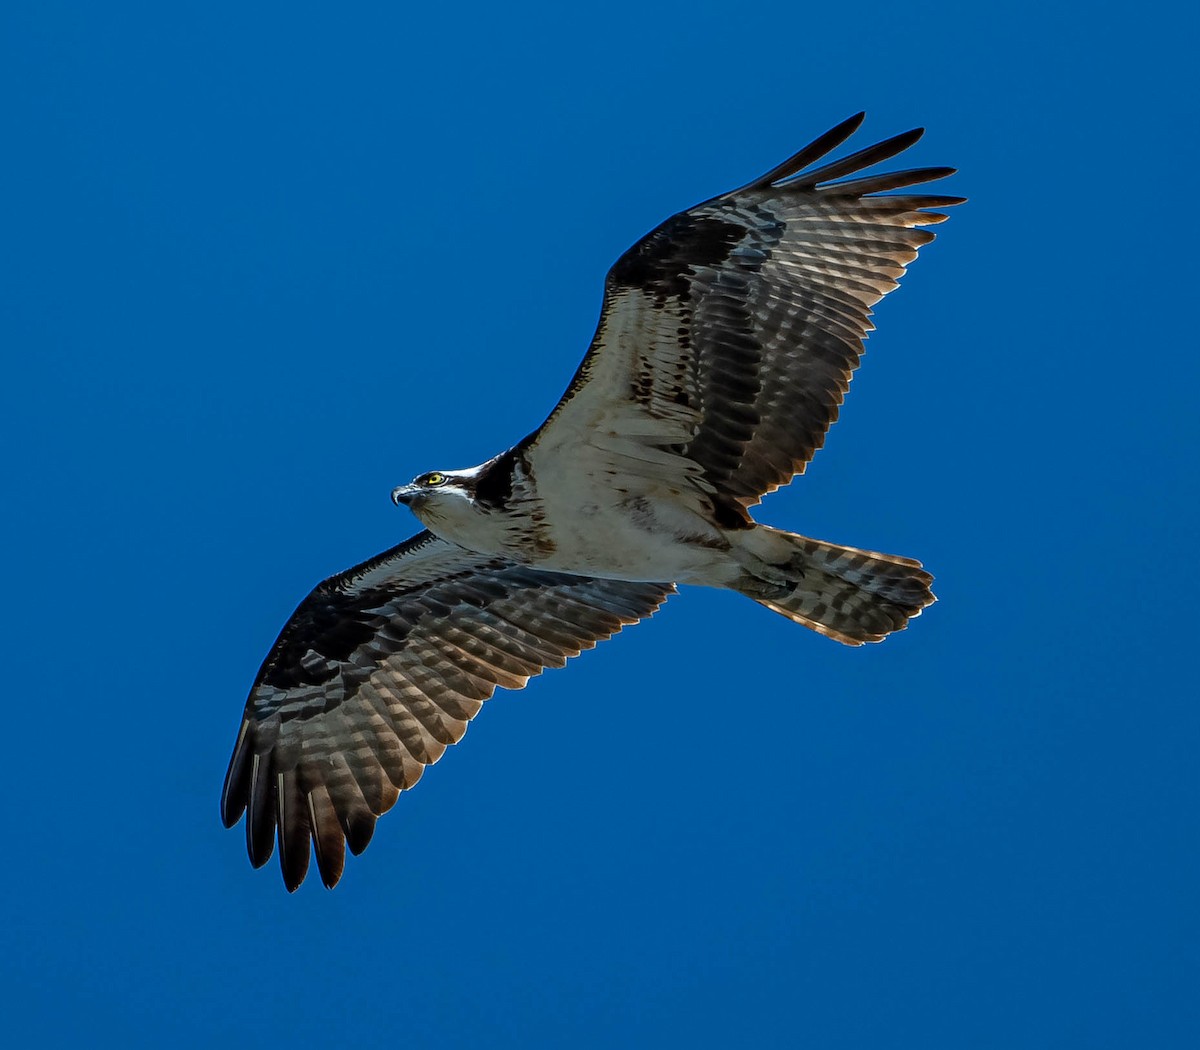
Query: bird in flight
pixel 727 340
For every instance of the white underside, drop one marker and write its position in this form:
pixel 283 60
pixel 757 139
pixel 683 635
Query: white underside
pixel 612 498
pixel 663 542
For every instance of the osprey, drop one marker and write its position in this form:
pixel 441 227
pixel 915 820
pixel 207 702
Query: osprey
pixel 727 339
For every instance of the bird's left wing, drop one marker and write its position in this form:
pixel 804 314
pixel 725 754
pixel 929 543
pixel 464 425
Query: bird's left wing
pixel 379 669
pixel 729 334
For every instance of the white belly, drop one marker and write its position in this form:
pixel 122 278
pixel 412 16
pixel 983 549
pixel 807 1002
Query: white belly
pixel 650 535
pixel 606 500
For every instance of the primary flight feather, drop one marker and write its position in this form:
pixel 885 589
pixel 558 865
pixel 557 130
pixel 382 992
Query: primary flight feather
pixel 727 339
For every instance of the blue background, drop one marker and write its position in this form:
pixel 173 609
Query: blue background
pixel 262 264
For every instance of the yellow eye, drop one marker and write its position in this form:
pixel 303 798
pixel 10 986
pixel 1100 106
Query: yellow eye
pixel 434 478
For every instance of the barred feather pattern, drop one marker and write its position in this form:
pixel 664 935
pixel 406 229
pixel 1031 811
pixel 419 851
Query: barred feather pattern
pixel 379 670
pixel 727 340
pixel 738 323
pixel 850 595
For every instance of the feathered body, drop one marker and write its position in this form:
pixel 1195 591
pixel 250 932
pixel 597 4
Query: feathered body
pixel 727 340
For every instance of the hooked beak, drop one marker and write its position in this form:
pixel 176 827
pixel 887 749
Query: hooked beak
pixel 405 494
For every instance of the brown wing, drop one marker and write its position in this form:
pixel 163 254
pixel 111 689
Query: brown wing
pixel 729 334
pixel 379 670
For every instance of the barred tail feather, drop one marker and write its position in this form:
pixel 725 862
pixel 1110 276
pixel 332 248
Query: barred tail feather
pixel 850 595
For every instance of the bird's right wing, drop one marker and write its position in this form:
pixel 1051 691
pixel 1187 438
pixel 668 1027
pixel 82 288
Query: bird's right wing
pixel 379 669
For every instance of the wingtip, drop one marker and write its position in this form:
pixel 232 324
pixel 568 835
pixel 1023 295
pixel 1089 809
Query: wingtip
pixel 942 172
pixel 810 154
pixel 359 830
pixel 234 789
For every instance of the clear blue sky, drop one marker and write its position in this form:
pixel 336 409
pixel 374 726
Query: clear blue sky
pixel 260 266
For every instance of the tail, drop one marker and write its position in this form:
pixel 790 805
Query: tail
pixel 851 595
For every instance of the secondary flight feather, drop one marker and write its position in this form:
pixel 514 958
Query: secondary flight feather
pixel 727 340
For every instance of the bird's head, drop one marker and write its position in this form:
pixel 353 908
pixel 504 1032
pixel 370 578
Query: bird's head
pixel 434 488
pixel 462 505
pixel 438 497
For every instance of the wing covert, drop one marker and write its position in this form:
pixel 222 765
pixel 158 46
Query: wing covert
pixel 379 670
